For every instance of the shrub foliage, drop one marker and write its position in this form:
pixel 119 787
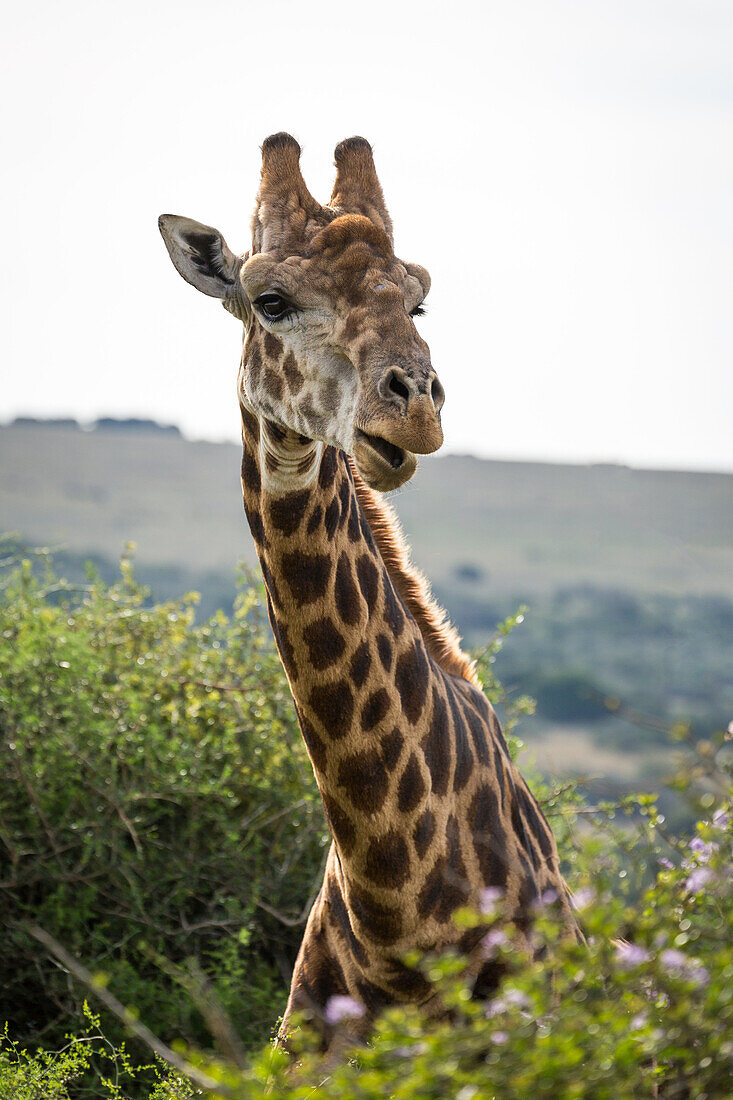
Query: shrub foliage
pixel 156 803
pixel 158 817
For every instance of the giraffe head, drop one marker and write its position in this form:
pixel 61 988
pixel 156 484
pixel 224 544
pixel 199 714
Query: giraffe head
pixel 331 350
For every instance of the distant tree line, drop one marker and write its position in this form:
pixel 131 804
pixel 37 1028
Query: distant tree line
pixel 102 424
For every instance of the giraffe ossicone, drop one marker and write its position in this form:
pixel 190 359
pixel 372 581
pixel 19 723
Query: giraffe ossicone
pixel 338 395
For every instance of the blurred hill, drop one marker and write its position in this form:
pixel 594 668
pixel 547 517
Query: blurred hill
pixel 628 573
pixel 496 527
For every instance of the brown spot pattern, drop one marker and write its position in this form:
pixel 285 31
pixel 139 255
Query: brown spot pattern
pixel 478 735
pixel 315 520
pixel 256 526
pixel 423 833
pixel 307 576
pixel 284 645
pixel 393 613
pixel 251 480
pixel 464 759
pixel 388 860
pixel 333 705
pixel 391 748
pixel 382 923
pixel 327 471
pixel 354 528
pixel 411 787
pixel 384 649
pixel 331 518
pixel 346 592
pixel 343 830
pixel 360 664
pixel 287 512
pixel 273 346
pixel 364 779
pixel 325 644
pixel 316 745
pixel 375 709
pixel 436 746
pixel 341 916
pixel 489 838
pixel 368 578
pixel 274 383
pixel 293 377
pixel 411 679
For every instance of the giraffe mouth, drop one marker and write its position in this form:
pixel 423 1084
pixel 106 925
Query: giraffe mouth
pixel 386 450
pixel 382 464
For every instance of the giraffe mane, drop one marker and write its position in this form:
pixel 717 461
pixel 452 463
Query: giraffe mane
pixel 441 637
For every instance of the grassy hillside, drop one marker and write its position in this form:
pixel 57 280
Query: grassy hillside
pixel 499 527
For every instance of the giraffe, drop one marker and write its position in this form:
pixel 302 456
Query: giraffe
pixel 338 395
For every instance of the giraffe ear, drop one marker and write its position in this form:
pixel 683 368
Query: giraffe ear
pixel 421 274
pixel 201 255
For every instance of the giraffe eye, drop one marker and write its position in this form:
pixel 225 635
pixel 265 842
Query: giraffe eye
pixel 273 306
pixel 418 311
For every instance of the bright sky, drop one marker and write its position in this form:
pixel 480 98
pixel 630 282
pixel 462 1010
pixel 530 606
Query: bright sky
pixel 564 170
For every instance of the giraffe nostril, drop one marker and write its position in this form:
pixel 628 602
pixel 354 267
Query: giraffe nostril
pixel 397 386
pixel 437 394
pixel 394 387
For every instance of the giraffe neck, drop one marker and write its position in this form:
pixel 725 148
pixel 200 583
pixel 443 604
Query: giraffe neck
pixel 424 803
pixel 355 659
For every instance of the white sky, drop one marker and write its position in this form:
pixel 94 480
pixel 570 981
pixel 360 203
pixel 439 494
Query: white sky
pixel 564 169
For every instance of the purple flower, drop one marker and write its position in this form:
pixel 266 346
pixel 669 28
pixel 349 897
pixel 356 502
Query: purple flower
pixel 493 940
pixel 698 973
pixel 672 959
pixel 583 898
pixel 698 879
pixel 488 899
pixel 676 963
pixel 411 1051
pixel 495 1007
pixel 701 848
pixel 500 1037
pixel 341 1008
pixel 666 863
pixel 630 955
pixel 547 897
pixel 516 997
pixel 638 1021
pixel 721 819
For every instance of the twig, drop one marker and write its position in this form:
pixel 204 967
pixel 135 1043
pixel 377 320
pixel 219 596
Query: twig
pixel 283 813
pixel 289 922
pixel 63 586
pixel 633 717
pixel 33 797
pixel 15 884
pixel 109 799
pixel 80 972
pixel 14 856
pixel 238 688
pixel 293 922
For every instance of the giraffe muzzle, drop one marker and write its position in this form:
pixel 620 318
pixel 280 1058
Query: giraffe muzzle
pixel 404 423
pixel 383 465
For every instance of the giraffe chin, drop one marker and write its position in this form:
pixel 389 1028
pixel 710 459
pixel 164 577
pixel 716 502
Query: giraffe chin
pixel 382 465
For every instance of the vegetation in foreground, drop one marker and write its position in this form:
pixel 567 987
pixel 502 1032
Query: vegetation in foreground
pixel 158 818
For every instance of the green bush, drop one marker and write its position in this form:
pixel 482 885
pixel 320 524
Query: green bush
pixel 156 803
